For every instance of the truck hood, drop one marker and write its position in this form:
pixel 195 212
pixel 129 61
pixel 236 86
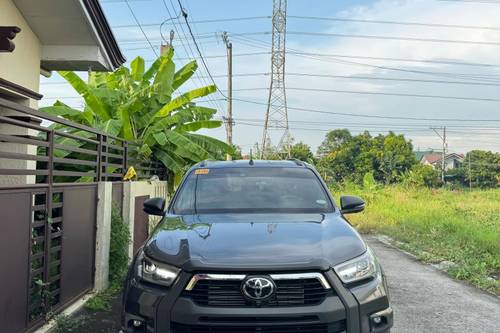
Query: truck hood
pixel 254 242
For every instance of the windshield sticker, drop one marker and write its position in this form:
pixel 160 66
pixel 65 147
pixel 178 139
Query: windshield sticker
pixel 201 171
pixel 321 202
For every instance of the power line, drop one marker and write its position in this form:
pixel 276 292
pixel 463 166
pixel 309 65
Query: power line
pixel 208 35
pixel 435 25
pixel 410 39
pixel 379 93
pixel 385 125
pixel 140 27
pixel 219 106
pixel 335 55
pixel 301 109
pixel 231 19
pixel 476 77
pixel 189 53
pixel 184 14
pixel 359 77
pixel 443 62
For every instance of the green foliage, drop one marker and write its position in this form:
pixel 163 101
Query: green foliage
pixel 484 169
pixel 388 157
pixel 421 175
pixel 118 263
pixel 69 324
pixel 439 225
pixel 101 301
pixel 302 152
pixel 333 140
pixel 118 251
pixel 141 105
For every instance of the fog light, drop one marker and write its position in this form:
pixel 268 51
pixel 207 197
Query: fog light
pixel 381 321
pixel 137 323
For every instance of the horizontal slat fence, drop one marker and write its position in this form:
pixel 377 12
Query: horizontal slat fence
pixel 65 152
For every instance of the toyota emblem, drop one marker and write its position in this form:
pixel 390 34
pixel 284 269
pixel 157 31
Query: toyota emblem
pixel 258 288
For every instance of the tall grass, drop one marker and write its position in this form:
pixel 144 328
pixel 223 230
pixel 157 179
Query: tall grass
pixel 438 225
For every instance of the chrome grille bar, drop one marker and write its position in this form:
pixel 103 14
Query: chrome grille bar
pixel 240 277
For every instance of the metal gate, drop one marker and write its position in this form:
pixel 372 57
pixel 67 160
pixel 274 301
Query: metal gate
pixel 46 251
pixel 47 237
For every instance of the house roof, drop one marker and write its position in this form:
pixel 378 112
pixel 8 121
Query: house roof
pixel 104 30
pixel 74 35
pixel 421 153
pixel 433 158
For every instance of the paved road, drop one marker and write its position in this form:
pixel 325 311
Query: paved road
pixel 427 301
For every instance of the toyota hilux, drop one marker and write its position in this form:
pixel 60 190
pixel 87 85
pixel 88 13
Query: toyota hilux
pixel 255 247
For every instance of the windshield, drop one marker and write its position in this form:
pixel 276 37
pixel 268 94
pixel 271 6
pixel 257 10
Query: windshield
pixel 252 190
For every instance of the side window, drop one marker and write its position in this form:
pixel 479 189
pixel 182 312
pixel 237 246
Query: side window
pixel 185 201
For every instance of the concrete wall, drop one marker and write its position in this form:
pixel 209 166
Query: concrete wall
pixel 131 190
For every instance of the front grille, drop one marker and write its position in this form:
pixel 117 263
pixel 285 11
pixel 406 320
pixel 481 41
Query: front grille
pixel 224 293
pixel 337 327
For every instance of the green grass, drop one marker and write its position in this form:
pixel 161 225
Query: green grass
pixel 66 324
pixel 438 225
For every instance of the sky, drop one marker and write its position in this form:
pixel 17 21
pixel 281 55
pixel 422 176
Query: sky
pixel 344 82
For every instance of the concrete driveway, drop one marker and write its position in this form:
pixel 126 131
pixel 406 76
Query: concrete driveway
pixel 426 300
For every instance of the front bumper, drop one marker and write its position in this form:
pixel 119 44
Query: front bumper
pixel 360 309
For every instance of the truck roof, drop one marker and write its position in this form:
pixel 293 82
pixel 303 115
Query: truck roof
pixel 250 163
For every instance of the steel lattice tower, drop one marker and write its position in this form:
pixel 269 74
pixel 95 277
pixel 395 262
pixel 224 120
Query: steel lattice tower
pixel 277 114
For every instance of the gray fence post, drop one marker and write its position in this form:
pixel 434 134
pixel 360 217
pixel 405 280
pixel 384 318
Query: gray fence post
pixel 103 235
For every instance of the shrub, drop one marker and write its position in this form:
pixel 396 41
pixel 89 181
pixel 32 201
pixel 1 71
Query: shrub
pixel 421 175
pixel 118 252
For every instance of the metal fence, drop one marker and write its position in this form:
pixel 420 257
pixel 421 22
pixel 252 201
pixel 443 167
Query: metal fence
pixel 66 151
pixel 48 209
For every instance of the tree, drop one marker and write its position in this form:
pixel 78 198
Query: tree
pixel 484 169
pixel 387 157
pixel 142 106
pixel 333 140
pixel 395 156
pixel 302 152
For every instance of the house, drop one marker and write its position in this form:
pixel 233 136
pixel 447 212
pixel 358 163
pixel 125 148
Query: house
pixel 36 38
pixel 434 159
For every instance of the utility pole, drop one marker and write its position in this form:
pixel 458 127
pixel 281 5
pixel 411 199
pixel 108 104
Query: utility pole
pixel 229 120
pixel 277 113
pixel 443 156
pixel 470 173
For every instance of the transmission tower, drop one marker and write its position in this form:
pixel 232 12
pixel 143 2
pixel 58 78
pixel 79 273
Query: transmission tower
pixel 277 114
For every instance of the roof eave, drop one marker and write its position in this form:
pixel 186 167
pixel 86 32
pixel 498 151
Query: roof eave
pixel 104 32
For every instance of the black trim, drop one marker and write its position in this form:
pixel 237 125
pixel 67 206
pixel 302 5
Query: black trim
pixel 104 30
pixel 14 87
pixel 7 34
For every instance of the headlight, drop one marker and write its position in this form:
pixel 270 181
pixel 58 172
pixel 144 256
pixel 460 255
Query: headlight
pixel 155 272
pixel 357 269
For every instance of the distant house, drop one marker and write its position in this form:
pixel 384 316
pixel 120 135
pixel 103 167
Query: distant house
pixel 434 159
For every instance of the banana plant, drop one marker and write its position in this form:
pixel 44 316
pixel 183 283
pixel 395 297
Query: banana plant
pixel 143 106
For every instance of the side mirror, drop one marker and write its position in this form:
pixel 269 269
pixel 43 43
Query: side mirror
pixel 155 206
pixel 350 204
